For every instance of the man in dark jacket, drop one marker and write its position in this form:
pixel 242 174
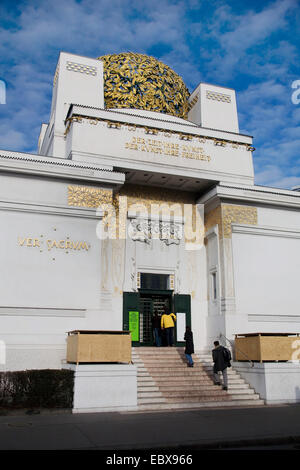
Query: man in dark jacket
pixel 220 365
pixel 189 346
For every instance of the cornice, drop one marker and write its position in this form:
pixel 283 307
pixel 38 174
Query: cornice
pixel 185 129
pixel 266 230
pixel 252 195
pixel 58 167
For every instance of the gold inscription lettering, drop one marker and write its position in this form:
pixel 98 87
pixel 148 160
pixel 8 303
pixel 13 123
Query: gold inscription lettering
pixel 61 244
pixel 83 245
pixel 167 148
pixel 68 245
pixel 21 241
pixel 36 242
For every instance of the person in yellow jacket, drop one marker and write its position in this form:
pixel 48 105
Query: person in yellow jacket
pixel 167 325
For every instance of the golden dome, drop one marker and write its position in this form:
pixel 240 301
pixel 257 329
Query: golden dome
pixel 142 82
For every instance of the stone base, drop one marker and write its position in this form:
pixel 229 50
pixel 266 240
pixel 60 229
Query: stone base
pixel 275 382
pixel 104 387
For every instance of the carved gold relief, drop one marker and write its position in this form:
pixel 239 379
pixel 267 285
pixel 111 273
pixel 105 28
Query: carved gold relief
pixel 154 201
pixel 226 214
pixel 237 214
pixel 143 82
pixel 212 218
pixel 82 196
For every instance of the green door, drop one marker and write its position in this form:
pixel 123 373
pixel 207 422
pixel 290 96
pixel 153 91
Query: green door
pixel 146 313
pixel 182 304
pixel 131 315
pixel 138 310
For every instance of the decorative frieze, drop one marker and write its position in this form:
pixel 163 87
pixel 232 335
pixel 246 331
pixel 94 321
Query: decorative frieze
pixel 237 214
pixel 155 131
pixel 75 67
pixel 171 282
pixel 193 102
pixel 212 218
pixel 212 95
pixel 226 214
pixel 82 196
pixel 145 230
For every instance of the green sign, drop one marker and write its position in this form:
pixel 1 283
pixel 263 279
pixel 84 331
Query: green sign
pixel 134 325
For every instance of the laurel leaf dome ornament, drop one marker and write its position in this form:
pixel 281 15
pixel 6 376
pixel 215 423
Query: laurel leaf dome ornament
pixel 140 81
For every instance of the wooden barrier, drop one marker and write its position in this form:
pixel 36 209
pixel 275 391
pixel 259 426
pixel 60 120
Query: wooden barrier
pixel 98 346
pixel 267 346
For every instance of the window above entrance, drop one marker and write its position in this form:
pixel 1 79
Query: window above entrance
pixel 154 281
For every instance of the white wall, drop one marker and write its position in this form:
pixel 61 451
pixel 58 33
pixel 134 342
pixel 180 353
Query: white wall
pixel 93 141
pixel 215 109
pixel 266 273
pixel 48 276
pixel 79 80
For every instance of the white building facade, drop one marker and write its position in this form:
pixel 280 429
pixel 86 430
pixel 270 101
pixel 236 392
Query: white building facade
pixel 129 210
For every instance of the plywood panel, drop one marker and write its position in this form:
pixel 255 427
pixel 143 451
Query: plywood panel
pixel 91 348
pixel 247 348
pixel 265 348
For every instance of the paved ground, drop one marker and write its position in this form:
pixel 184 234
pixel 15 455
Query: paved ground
pixel 192 429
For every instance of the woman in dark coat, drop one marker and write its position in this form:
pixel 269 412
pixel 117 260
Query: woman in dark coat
pixel 189 346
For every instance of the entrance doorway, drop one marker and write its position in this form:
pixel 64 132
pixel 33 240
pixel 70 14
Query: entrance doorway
pixel 138 308
pixel 149 304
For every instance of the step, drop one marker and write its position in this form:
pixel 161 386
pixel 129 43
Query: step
pixel 200 400
pixel 145 379
pixel 178 406
pixel 178 363
pixel 186 372
pixel 196 386
pixel 169 364
pixel 168 353
pixel 142 401
pixel 186 380
pixel 175 366
pixel 163 385
pixel 148 388
pixel 253 397
pixel 180 384
pixel 184 394
pixel 182 371
pixel 179 368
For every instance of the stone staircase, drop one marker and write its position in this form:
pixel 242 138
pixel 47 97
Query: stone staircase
pixel 165 382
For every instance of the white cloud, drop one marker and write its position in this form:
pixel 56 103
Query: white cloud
pixel 273 176
pixel 236 34
pixel 89 28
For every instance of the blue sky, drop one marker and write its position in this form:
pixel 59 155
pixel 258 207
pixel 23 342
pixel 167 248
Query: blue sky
pixel 251 46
